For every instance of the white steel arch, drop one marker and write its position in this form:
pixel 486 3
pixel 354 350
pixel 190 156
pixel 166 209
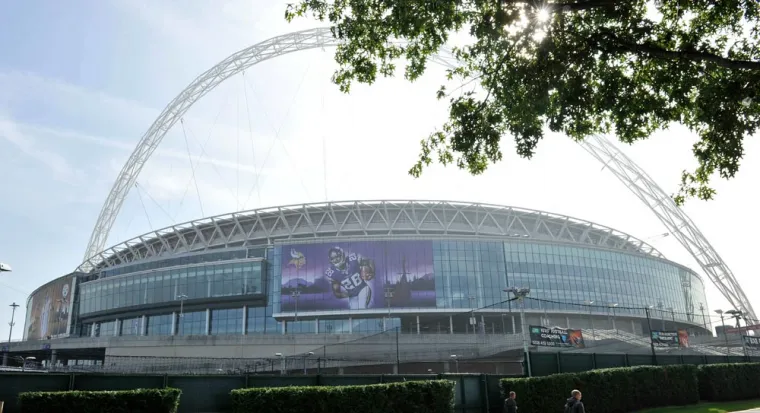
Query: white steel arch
pixel 624 169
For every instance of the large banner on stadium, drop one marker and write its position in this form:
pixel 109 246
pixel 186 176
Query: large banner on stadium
pixel 48 310
pixel 357 276
pixel 751 342
pixel 678 338
pixel 556 337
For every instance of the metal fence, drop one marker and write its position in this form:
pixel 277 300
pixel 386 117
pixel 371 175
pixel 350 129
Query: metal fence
pixel 207 394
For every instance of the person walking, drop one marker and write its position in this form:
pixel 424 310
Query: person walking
pixel 510 404
pixel 574 403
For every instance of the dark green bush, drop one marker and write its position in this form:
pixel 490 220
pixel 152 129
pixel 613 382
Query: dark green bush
pixel 616 390
pixel 405 397
pixel 725 382
pixel 126 401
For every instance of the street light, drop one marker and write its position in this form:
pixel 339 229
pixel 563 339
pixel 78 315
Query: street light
pixel 307 355
pixel 613 306
pixel 520 293
pixel 725 334
pixel 456 361
pixel 589 303
pixel 5 267
pixel 282 363
pixel 13 315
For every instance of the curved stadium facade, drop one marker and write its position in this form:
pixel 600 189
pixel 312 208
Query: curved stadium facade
pixel 296 280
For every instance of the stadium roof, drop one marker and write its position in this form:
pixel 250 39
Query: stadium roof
pixel 408 218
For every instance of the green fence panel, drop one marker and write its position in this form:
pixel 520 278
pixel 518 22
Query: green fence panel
pixel 694 360
pixel 205 393
pixel 283 381
pixel 716 359
pixel 640 360
pixel 608 361
pixel 14 383
pixel 544 364
pixel 575 362
pixel 668 360
pixel 349 380
pixel 126 382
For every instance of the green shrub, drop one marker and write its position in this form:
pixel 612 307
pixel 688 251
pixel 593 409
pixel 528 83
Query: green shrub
pixel 127 401
pixel 616 390
pixel 726 382
pixel 405 397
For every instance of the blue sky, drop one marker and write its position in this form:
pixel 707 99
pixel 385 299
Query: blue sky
pixel 81 81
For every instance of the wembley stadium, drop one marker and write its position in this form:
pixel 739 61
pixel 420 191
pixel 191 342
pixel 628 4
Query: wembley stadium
pixel 290 280
pixel 371 286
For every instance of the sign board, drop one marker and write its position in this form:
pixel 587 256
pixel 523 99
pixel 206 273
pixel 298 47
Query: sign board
pixel 751 342
pixel 675 339
pixel 744 329
pixel 556 337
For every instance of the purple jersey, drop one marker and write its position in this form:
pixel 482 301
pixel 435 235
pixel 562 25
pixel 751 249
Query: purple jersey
pixel 349 277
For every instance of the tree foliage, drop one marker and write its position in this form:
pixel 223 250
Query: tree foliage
pixel 579 67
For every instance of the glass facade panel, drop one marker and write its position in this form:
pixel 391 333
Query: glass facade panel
pixel 160 325
pixel 131 326
pixel 203 281
pixel 191 324
pixel 228 321
pixel 189 259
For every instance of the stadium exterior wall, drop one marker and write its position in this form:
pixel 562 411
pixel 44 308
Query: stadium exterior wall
pixel 428 267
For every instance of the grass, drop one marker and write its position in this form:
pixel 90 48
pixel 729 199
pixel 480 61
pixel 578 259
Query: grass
pixel 724 407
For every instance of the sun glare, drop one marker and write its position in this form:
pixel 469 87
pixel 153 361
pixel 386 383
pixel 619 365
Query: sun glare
pixel 543 15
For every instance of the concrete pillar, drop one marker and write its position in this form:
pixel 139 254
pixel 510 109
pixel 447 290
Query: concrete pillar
pixel 340 371
pixel 451 324
pixel 245 320
pixel 93 329
pixel 350 327
pixel 144 326
pixel 514 329
pixel 418 324
pixel 53 358
pixel 567 320
pixel 174 323
pixel 208 321
pixel 633 327
pixel 5 359
pixel 117 327
pixel 395 369
pixel 316 326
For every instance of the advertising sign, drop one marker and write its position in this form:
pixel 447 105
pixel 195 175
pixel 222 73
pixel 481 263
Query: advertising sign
pixel 751 342
pixel 357 276
pixel 49 310
pixel 678 338
pixel 556 337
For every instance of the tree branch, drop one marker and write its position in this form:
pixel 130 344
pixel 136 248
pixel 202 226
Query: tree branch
pixel 695 56
pixel 569 6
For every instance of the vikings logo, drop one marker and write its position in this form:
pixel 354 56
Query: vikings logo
pixel 297 259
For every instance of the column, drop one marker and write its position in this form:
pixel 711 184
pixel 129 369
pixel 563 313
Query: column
pixel 350 326
pixel 5 359
pixel 483 323
pixel 93 329
pixel 245 319
pixel 514 327
pixel 418 324
pixel 316 326
pixel 208 321
pixel 116 327
pixel 144 326
pixel 567 319
pixel 633 327
pixel 53 358
pixel 451 324
pixel 174 323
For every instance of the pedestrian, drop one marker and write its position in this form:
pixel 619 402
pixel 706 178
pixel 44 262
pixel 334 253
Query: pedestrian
pixel 510 404
pixel 574 403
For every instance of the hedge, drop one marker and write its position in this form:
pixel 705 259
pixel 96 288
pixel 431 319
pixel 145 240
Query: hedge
pixel 406 397
pixel 617 390
pixel 125 401
pixel 726 382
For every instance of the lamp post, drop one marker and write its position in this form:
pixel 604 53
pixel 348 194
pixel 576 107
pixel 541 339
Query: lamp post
pixel 309 354
pixel 282 363
pixel 613 306
pixel 296 295
pixel 520 294
pixel 473 321
pixel 388 298
pixel 456 361
pixel 660 305
pixel 14 306
pixel 704 319
pixel 591 320
pixel 725 334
